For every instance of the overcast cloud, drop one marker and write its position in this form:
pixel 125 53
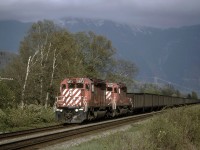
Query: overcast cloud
pixel 157 13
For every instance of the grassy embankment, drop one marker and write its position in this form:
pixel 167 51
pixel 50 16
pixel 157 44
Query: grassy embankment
pixel 177 129
pixel 31 117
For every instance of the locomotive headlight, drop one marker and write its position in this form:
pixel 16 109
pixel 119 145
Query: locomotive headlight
pixel 81 109
pixel 60 110
pixel 76 110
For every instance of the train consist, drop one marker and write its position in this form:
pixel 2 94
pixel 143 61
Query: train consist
pixel 88 99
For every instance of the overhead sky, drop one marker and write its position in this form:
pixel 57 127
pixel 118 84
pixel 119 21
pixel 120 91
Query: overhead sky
pixel 157 13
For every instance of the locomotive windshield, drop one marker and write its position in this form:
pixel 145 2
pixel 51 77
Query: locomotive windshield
pixel 73 85
pixel 109 88
pixel 79 85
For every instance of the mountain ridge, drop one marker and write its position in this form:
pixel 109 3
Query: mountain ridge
pixel 171 54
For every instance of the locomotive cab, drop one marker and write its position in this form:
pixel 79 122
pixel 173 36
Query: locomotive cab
pixel 112 94
pixel 117 97
pixel 71 105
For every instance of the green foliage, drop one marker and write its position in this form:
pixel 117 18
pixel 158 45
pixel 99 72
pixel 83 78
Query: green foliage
pixel 3 118
pixel 44 44
pixel 97 53
pixel 49 53
pixel 30 116
pixel 167 90
pixel 122 71
pixel 176 129
pixel 7 97
pixel 150 88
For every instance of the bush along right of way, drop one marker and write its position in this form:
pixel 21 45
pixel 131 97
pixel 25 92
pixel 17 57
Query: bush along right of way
pixel 13 119
pixel 176 129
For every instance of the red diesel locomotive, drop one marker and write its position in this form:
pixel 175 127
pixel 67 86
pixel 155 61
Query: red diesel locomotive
pixel 88 99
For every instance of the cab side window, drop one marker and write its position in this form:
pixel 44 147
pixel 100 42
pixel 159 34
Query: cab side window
pixel 71 85
pixel 63 87
pixel 109 89
pixel 87 86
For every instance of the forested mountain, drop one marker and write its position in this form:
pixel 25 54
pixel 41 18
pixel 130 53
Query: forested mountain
pixel 170 54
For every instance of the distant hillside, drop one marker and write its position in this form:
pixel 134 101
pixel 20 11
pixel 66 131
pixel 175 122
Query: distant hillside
pixel 11 33
pixel 169 54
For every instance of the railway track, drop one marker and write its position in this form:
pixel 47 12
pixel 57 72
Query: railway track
pixel 67 134
pixel 10 135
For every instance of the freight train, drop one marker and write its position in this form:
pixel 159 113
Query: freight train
pixel 88 99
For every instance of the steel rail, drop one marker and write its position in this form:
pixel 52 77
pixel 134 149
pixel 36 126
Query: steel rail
pixel 10 135
pixel 53 138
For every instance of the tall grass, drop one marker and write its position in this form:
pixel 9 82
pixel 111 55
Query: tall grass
pixel 177 129
pixel 31 116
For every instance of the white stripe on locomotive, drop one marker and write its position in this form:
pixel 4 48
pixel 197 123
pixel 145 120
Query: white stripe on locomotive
pixel 108 95
pixel 76 93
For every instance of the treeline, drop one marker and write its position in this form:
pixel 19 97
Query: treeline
pixel 48 54
pixel 167 90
